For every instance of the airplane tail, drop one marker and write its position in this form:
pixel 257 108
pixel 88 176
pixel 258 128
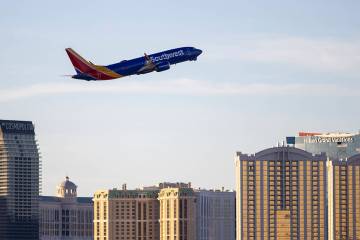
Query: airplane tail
pixel 87 70
pixel 79 63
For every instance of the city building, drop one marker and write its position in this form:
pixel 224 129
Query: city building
pixel 126 214
pixel 19 181
pixel 177 213
pixel 215 215
pixel 66 216
pixel 335 145
pixel 167 211
pixel 344 198
pixel 281 193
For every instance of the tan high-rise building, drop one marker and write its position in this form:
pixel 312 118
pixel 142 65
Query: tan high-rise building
pixel 344 198
pixel 281 194
pixel 177 214
pixel 126 215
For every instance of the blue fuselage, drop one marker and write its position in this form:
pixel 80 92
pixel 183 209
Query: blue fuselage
pixel 155 62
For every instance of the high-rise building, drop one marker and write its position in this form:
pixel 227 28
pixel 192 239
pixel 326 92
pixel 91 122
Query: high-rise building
pixel 335 145
pixel 281 194
pixel 177 213
pixel 66 216
pixel 19 181
pixel 126 214
pixel 215 215
pixel 344 198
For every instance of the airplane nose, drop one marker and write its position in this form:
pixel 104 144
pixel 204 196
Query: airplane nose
pixel 198 52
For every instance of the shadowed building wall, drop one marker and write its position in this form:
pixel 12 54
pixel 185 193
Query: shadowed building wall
pixel 215 215
pixel 281 194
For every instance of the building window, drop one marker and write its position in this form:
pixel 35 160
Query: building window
pixel 105 210
pixel 168 209
pixel 144 211
pixel 175 208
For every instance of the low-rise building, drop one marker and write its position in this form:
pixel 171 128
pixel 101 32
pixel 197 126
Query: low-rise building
pixel 66 216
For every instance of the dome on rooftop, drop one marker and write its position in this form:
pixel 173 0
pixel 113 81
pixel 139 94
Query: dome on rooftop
pixel 67 189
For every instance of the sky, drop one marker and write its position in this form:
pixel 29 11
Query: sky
pixel 269 69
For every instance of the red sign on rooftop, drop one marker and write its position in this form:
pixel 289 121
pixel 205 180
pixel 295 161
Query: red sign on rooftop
pixel 307 134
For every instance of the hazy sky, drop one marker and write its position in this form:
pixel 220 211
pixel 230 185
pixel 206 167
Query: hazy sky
pixel 268 70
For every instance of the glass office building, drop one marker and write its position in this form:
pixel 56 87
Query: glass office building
pixel 19 181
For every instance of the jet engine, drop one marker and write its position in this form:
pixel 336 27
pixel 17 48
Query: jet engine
pixel 162 66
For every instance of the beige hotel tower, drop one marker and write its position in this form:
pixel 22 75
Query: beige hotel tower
pixel 126 215
pixel 177 214
pixel 344 198
pixel 164 212
pixel 281 194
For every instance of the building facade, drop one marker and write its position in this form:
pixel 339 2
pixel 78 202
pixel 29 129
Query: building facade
pixel 281 194
pixel 126 215
pixel 344 198
pixel 177 214
pixel 335 145
pixel 19 181
pixel 66 216
pixel 215 215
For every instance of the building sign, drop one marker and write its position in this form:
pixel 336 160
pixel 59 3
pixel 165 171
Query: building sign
pixel 319 139
pixel 20 127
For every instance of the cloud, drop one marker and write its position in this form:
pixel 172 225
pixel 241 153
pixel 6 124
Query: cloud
pixel 176 87
pixel 324 55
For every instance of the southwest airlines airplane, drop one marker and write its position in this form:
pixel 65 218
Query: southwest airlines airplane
pixel 155 62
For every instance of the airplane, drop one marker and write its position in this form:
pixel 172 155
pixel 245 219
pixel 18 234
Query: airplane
pixel 158 62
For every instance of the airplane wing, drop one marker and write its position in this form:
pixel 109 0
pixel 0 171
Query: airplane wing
pixel 147 57
pixel 149 65
pixel 148 60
